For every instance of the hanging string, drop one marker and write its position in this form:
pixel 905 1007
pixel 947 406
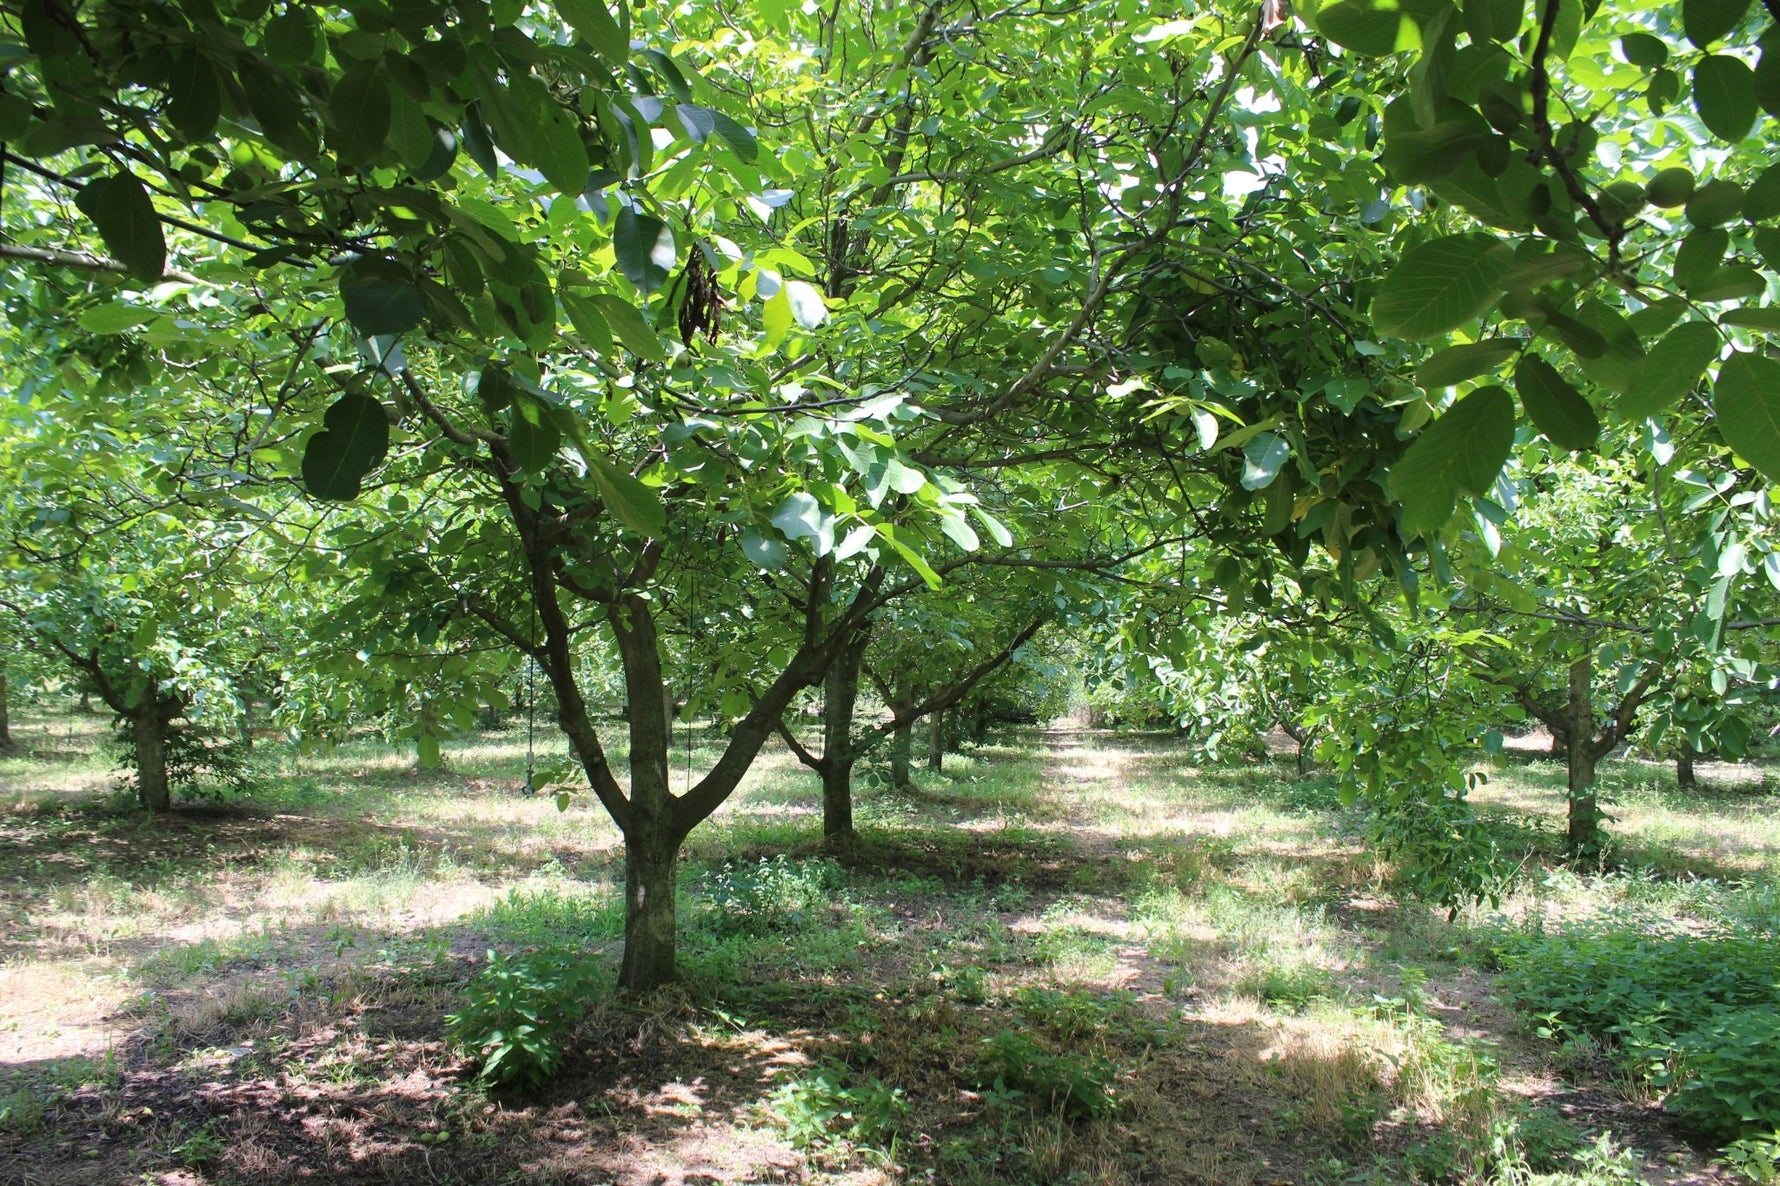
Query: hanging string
pixel 693 633
pixel 531 704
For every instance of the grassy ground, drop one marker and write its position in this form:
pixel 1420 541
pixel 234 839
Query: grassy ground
pixel 1070 958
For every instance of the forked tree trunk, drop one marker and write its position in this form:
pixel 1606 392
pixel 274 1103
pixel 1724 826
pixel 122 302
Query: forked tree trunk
pixel 1572 721
pixel 1583 836
pixel 651 839
pixel 149 730
pixel 1685 777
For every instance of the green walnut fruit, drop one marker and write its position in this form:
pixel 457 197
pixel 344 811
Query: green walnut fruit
pixel 1670 188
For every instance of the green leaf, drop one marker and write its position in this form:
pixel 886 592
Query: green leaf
pixel 1767 80
pixel 1724 96
pixel 476 142
pixel 800 516
pixel 1671 369
pixel 1746 399
pixel 1708 20
pixel 120 207
pixel 1361 27
pixel 1416 155
pixel 1699 255
pixel 740 140
pixel 1538 262
pixel 1280 504
pixel 807 305
pixel 586 319
pixel 1714 203
pixel 764 550
pixel 379 306
pixel 1729 284
pixel 354 438
pixel 275 105
pixel 115 318
pixel 194 95
pixel 957 528
pixel 532 434
pixel 1262 458
pixel 645 249
pixel 292 36
pixel 698 122
pixel 359 113
pixel 1617 363
pixel 1557 408
pixel 1767 318
pixel 635 505
pixel 1455 364
pixel 1462 452
pixel 1641 49
pixel 626 322
pixel 775 315
pixel 1761 201
pixel 411 134
pixel 495 389
pixel 1767 243
pixel 559 152
pixel 1440 286
pixel 594 21
pixel 1670 188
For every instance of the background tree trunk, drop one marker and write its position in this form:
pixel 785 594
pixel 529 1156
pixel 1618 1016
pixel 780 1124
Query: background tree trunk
pixel 1584 832
pixel 936 741
pixel 902 745
pixel 6 742
pixel 1685 778
pixel 149 730
pixel 840 697
pixel 1560 745
pixel 837 801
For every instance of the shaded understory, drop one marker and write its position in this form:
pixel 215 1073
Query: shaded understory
pixel 1072 958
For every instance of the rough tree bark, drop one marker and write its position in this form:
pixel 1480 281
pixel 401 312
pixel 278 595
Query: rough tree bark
pixel 902 746
pixel 1685 776
pixel 1583 830
pixel 840 696
pixel 148 728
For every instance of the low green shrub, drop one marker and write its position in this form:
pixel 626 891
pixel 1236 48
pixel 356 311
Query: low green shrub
pixel 1697 1014
pixel 1725 1078
pixel 1073 1015
pixel 1757 1159
pixel 769 896
pixel 519 1013
pixel 1077 1085
pixel 819 1107
pixel 201 763
pixel 1294 987
pixel 1625 985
